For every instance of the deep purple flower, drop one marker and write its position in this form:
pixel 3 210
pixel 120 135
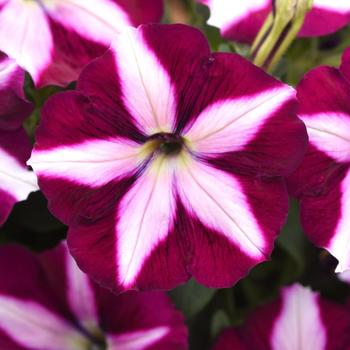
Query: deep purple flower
pixel 16 181
pixel 322 182
pixel 298 320
pixel 167 161
pixel 54 39
pixel 242 20
pixel 47 303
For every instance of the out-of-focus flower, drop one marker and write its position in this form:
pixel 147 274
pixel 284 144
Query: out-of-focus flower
pixel 16 181
pixel 242 20
pixel 298 319
pixel 322 182
pixel 169 161
pixel 54 39
pixel 47 303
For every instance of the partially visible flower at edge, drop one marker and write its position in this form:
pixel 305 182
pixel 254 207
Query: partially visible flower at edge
pixel 47 303
pixel 299 319
pixel 168 161
pixel 54 39
pixel 242 20
pixel 16 181
pixel 322 182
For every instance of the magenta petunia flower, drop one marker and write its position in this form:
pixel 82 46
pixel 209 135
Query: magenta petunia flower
pixel 242 20
pixel 299 319
pixel 16 181
pixel 47 303
pixel 322 181
pixel 54 39
pixel 167 161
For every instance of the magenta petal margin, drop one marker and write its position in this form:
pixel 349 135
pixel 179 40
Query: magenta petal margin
pixel 322 181
pixel 168 161
pixel 16 181
pixel 72 33
pixel 299 319
pixel 242 20
pixel 47 303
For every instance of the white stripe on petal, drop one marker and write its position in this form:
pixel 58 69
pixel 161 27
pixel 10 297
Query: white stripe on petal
pixel 15 178
pixel 8 69
pixel 33 326
pixel 299 325
pixel 92 163
pixel 330 133
pixel 340 243
pixel 226 13
pixel 228 125
pixel 146 86
pixel 81 296
pixel 138 340
pixel 342 6
pixel 344 276
pixel 97 20
pixel 20 23
pixel 145 217
pixel 219 202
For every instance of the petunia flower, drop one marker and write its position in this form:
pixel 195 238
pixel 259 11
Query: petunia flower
pixel 322 181
pixel 47 303
pixel 54 39
pixel 242 20
pixel 299 319
pixel 16 181
pixel 167 162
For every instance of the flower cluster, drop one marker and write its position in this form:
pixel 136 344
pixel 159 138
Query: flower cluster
pixel 167 161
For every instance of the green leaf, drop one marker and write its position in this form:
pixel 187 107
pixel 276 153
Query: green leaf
pixel 191 298
pixel 292 239
pixel 220 322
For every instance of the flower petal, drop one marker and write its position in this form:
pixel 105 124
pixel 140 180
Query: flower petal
pixel 186 67
pixel 93 163
pixel 226 223
pixel 218 200
pixel 96 20
pixel 69 127
pixel 137 340
pixel 229 340
pixel 22 21
pixel 81 296
pixel 298 319
pixel 229 125
pixel 144 219
pixel 329 132
pixel 299 324
pixel 14 107
pixel 131 322
pixel 232 86
pixel 321 182
pixel 23 319
pixel 239 21
pixel 16 181
pixel 142 77
pixel 326 17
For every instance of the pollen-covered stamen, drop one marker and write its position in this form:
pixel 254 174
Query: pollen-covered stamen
pixel 166 143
